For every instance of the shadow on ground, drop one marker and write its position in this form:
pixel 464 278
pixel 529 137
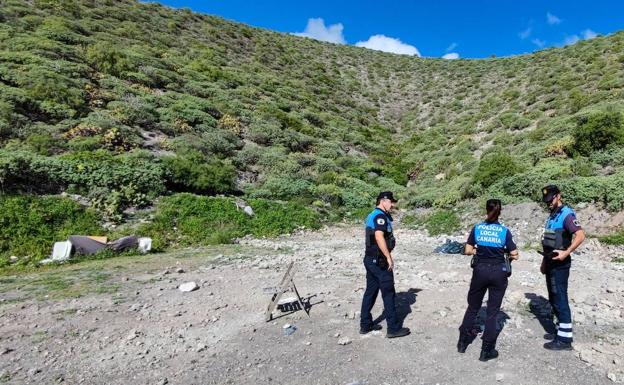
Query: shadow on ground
pixel 403 304
pixel 540 308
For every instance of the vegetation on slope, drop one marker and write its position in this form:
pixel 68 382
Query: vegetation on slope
pixel 123 102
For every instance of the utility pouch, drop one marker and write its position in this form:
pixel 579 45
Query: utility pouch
pixel 391 242
pixel 473 261
pixel 549 240
pixel 382 262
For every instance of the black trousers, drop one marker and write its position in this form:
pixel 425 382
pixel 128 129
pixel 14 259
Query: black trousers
pixel 488 277
pixel 378 279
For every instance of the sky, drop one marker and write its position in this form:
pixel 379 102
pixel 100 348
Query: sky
pixel 449 29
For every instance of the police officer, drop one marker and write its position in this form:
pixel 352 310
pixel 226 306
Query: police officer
pixel 379 265
pixel 562 235
pixel 488 243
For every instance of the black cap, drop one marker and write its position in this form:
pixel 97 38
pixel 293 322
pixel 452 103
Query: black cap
pixel 549 192
pixel 493 202
pixel 386 195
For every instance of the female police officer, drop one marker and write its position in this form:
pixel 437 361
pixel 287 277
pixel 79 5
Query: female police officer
pixel 488 242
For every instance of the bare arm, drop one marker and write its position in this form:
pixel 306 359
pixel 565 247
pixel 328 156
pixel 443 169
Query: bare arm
pixel 383 247
pixel 469 249
pixel 514 255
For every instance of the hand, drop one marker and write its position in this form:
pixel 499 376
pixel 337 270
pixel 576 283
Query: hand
pixel 514 257
pixel 390 263
pixel 560 255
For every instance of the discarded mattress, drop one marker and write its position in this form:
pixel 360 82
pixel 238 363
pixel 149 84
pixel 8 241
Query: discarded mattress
pixel 87 245
pixel 450 247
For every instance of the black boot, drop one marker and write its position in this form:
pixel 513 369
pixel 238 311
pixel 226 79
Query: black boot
pixel 463 342
pixel 488 352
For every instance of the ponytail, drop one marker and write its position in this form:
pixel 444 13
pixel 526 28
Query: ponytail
pixel 493 209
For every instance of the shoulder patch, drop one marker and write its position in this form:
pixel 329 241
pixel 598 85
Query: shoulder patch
pixel 576 223
pixel 381 221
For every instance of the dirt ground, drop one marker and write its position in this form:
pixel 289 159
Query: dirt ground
pixel 124 321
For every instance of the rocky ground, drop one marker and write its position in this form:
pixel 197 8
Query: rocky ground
pixel 124 320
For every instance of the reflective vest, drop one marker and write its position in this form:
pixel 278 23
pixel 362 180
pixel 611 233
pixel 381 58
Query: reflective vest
pixel 555 236
pixel 371 243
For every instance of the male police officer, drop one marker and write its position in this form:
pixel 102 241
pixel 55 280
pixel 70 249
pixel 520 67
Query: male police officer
pixel 379 264
pixel 562 235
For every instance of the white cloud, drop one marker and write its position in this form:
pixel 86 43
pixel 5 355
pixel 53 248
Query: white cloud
pixel 538 42
pixel 526 33
pixel 588 34
pixel 451 47
pixel 571 40
pixel 552 19
pixel 316 29
pixel 388 44
pixel 451 56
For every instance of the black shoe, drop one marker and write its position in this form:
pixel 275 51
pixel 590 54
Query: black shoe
pixel 365 330
pixel 558 345
pixel 549 336
pixel 399 333
pixel 488 352
pixel 463 342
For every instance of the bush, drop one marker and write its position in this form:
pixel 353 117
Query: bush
pixel 113 182
pixel 493 167
pixel 598 131
pixel 194 172
pixel 442 222
pixel 186 219
pixel 29 225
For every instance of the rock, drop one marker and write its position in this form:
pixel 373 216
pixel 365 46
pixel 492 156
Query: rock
pixel 344 341
pixel 201 347
pixel 5 351
pixel 612 376
pixel 500 377
pixel 585 355
pixel 164 381
pixel 132 335
pixel 187 287
pixel 179 270
pixel 33 371
pixel 13 259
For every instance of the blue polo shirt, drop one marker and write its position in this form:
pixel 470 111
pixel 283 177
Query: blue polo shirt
pixel 492 240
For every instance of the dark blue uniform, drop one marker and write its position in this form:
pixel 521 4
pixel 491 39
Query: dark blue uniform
pixel 558 231
pixel 377 275
pixel 489 274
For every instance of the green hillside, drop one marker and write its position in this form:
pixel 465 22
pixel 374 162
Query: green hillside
pixel 123 102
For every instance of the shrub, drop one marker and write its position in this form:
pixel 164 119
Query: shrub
pixel 598 131
pixel 442 222
pixel 493 167
pixel 107 58
pixel 29 225
pixel 194 172
pixel 186 219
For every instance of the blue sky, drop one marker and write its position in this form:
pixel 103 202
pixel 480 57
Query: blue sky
pixel 465 29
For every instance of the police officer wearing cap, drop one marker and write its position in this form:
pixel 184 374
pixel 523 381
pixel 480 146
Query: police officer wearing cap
pixel 562 235
pixel 379 265
pixel 488 243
